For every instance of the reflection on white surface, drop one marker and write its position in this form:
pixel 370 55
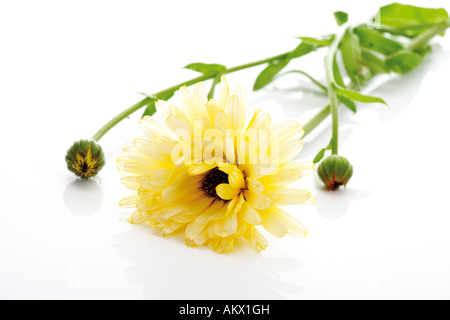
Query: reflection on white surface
pixel 83 197
pixel 334 204
pixel 166 269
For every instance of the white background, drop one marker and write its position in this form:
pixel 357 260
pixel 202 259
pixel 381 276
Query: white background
pixel 67 67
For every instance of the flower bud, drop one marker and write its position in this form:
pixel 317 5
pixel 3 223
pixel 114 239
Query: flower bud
pixel 335 171
pixel 85 158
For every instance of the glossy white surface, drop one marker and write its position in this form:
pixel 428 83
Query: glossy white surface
pixel 67 68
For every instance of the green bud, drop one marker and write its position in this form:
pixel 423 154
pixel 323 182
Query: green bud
pixel 85 158
pixel 335 171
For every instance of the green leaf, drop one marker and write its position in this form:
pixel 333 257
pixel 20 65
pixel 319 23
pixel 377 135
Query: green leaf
pixel 302 49
pixel 323 42
pixel 274 67
pixel 337 74
pixel 351 56
pixel 348 102
pixel 150 110
pixel 341 17
pixel 404 61
pixel 338 79
pixel 375 64
pixel 206 68
pixel 267 75
pixel 374 40
pixel 321 153
pixel 213 87
pixel 356 96
pixel 422 51
pixel 409 20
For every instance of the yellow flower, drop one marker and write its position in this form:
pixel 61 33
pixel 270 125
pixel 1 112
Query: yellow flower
pixel 207 171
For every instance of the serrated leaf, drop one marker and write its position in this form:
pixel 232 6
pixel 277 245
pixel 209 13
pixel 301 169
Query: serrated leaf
pixel 404 61
pixel 206 68
pixel 409 20
pixel 341 17
pixel 374 40
pixel 357 96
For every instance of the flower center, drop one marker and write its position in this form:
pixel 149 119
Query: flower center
pixel 212 179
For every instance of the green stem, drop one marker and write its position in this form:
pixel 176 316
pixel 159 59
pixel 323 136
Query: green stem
pixel 427 35
pixel 334 102
pixel 316 120
pixel 144 102
pixel 100 133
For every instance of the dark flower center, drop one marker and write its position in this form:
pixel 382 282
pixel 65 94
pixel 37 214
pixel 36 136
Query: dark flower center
pixel 212 179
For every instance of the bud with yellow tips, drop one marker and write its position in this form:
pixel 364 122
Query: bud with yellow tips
pixel 85 158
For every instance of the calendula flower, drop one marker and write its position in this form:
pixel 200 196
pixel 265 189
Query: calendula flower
pixel 207 171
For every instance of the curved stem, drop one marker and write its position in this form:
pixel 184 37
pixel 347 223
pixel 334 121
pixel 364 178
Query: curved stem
pixel 100 133
pixel 144 102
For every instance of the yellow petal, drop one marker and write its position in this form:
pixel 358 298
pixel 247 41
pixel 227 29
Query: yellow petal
pixel 260 120
pixel 242 99
pixel 216 210
pixel 258 201
pixel 295 227
pixel 235 175
pixel 254 185
pixel 254 238
pixel 200 168
pixel 224 93
pixel 199 98
pixel 272 223
pixel 161 177
pixel 186 103
pixel 289 196
pixel 179 125
pixel 289 130
pixel 193 230
pixel 226 191
pixel 234 113
pixel 249 214
pixel 286 150
pixel 235 205
pixel 130 201
pixel 226 226
pixel 288 173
